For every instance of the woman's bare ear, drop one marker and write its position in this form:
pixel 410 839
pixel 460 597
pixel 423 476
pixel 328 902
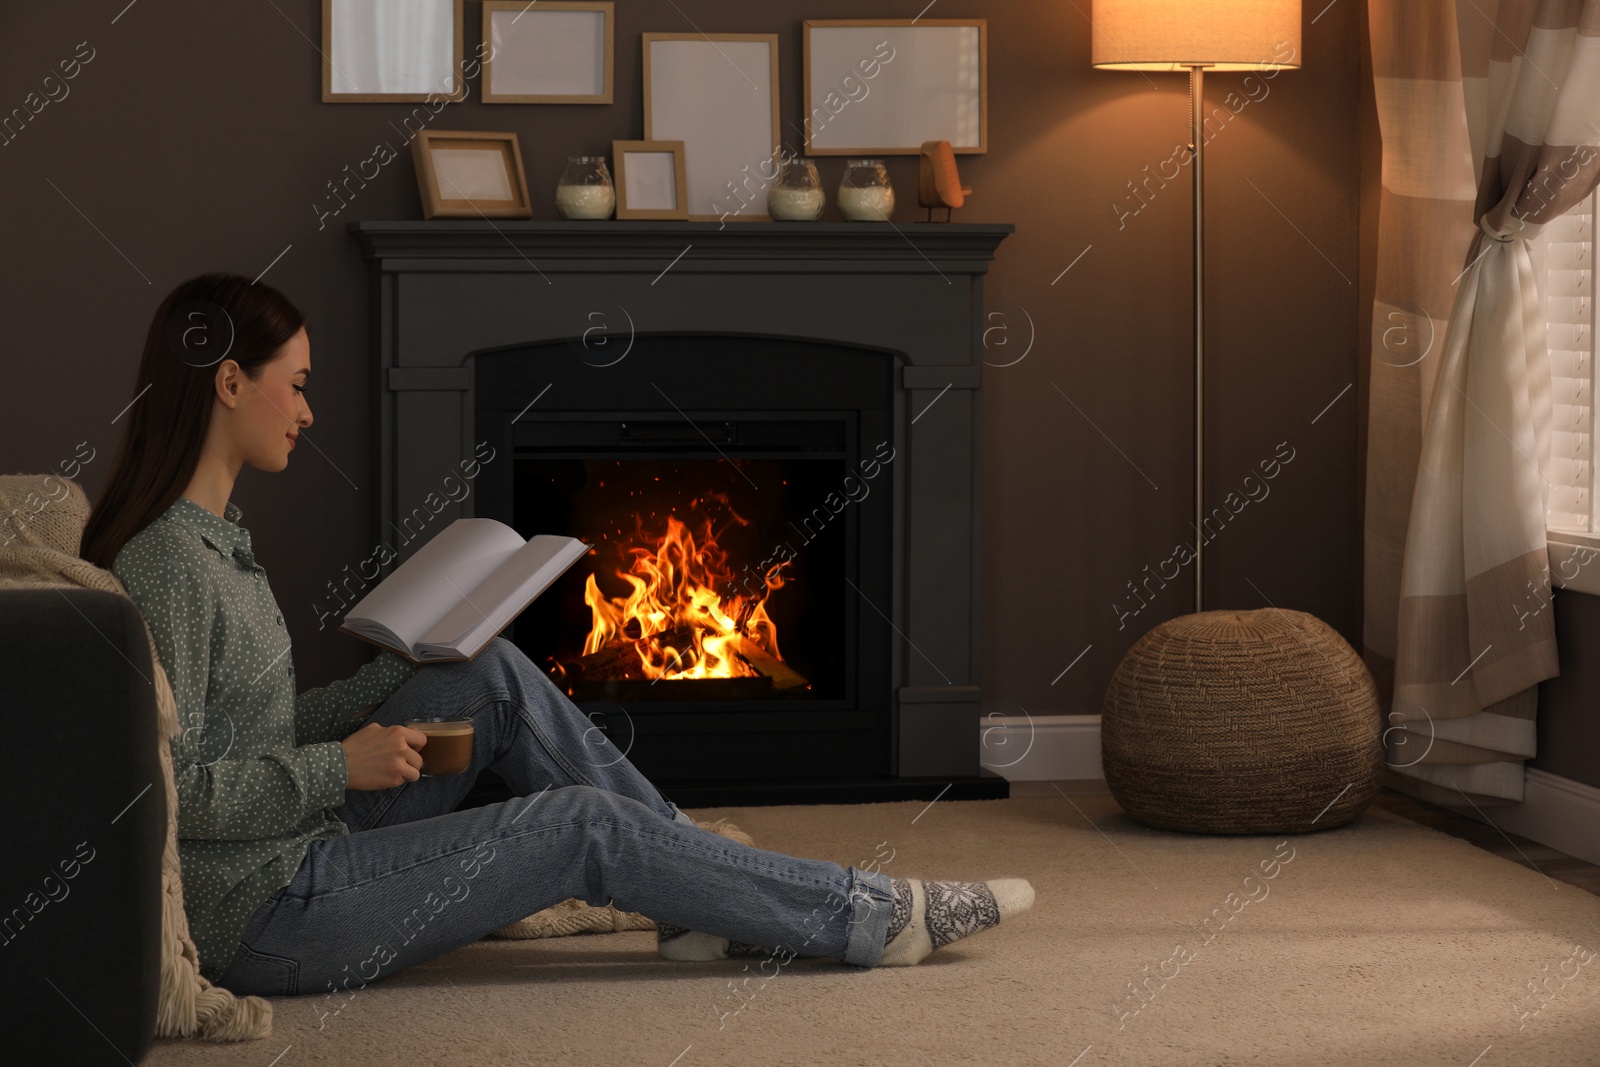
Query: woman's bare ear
pixel 227 382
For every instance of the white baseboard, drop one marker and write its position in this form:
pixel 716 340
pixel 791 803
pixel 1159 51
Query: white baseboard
pixel 1040 748
pixel 1557 812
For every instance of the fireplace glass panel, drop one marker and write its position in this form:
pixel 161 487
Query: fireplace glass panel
pixel 710 579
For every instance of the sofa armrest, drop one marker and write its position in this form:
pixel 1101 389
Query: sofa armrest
pixel 82 795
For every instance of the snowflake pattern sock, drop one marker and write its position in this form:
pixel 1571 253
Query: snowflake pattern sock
pixel 693 946
pixel 929 915
pixel 925 916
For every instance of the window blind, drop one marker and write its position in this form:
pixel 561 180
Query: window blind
pixel 1564 261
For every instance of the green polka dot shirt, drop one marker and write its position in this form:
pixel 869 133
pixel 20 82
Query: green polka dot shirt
pixel 258 767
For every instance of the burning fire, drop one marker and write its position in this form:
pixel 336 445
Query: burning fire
pixel 677 625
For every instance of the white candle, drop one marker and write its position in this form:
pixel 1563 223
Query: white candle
pixel 794 205
pixel 875 203
pixel 585 201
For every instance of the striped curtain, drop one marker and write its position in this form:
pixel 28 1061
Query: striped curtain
pixel 1490 118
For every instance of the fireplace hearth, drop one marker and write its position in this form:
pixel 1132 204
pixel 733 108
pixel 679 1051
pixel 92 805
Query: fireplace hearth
pixel 768 435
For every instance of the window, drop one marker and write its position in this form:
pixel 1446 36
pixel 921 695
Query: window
pixel 1563 256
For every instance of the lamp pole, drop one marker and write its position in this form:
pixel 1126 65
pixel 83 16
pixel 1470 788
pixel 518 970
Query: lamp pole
pixel 1196 36
pixel 1196 149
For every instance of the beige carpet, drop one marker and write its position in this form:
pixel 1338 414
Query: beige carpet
pixel 1378 942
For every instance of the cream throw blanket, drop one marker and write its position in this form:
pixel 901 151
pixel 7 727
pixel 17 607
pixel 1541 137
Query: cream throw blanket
pixel 39 549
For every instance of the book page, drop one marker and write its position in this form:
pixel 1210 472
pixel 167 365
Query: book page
pixel 502 595
pixel 414 596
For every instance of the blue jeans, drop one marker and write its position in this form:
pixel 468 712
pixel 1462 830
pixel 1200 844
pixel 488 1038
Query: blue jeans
pixel 415 879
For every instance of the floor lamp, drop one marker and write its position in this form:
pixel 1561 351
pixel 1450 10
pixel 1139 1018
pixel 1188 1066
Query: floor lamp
pixel 1196 36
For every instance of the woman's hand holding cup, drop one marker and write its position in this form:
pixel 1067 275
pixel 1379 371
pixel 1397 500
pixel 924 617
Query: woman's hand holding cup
pixel 381 757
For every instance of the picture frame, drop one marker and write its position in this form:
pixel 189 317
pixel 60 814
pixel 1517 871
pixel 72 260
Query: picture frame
pixel 653 184
pixel 371 51
pixel 718 94
pixel 932 84
pixel 549 53
pixel 470 174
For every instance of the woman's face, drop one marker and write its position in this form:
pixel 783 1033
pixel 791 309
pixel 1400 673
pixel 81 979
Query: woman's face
pixel 272 408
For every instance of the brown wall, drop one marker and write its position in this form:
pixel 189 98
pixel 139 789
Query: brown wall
pixel 1569 730
pixel 195 140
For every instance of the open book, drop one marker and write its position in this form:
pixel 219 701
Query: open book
pixel 459 590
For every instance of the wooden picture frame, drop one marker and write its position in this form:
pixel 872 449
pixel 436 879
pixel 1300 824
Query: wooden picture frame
pixel 726 114
pixel 931 85
pixel 673 172
pixel 550 53
pixel 358 57
pixel 454 185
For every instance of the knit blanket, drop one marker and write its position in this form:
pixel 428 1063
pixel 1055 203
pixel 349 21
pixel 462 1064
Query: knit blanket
pixel 43 524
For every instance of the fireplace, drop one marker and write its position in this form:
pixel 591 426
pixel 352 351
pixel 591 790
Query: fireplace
pixel 768 439
pixel 738 492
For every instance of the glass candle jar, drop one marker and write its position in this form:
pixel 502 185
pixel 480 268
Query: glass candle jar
pixel 797 195
pixel 585 190
pixel 865 194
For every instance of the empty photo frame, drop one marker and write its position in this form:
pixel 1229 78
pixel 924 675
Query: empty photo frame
pixel 718 94
pixel 376 51
pixel 651 181
pixel 468 174
pixel 547 53
pixel 885 86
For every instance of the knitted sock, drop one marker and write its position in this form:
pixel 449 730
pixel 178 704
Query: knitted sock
pixel 930 915
pixel 692 946
pixel 925 916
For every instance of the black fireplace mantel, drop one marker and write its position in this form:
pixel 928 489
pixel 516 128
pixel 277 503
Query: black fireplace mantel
pixel 844 247
pixel 445 291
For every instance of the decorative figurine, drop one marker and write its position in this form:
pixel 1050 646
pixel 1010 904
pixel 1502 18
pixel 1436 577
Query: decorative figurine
pixel 939 184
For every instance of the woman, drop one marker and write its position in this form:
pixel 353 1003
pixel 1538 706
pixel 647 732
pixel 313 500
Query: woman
pixel 313 853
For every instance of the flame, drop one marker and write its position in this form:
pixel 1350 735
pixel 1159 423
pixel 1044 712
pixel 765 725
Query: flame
pixel 675 621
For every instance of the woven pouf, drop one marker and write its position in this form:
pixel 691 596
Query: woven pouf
pixel 1242 722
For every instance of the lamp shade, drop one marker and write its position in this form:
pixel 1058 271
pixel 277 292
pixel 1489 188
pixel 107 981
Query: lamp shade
pixel 1175 34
